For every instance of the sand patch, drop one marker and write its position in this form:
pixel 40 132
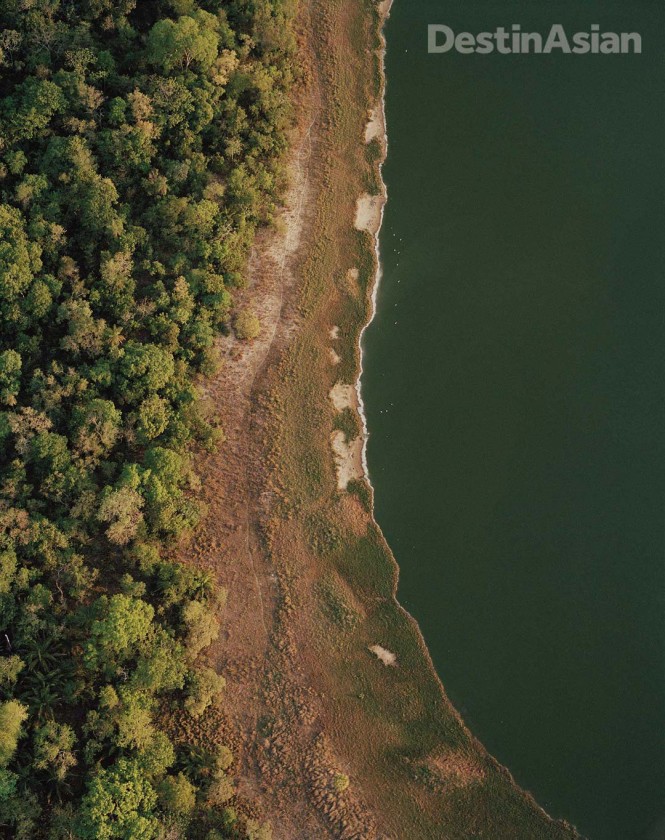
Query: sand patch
pixel 344 396
pixel 368 213
pixel 375 129
pixel 348 455
pixel 334 332
pixel 383 655
pixel 348 458
pixel 334 358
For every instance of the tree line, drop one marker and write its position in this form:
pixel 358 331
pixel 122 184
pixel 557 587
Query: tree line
pixel 140 147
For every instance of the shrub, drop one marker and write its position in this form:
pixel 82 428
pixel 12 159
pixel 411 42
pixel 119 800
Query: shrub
pixel 247 325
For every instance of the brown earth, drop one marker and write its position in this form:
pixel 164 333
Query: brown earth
pixel 311 582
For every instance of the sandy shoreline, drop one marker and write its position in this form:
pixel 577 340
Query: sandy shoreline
pixel 369 209
pixel 369 216
pixel 377 123
pixel 350 455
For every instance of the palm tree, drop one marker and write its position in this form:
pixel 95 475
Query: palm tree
pixel 42 692
pixel 196 761
pixel 42 652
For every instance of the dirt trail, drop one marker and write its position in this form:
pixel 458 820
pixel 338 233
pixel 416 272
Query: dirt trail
pixel 281 771
pixel 228 542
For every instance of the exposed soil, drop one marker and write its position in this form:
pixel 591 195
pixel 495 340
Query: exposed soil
pixel 234 478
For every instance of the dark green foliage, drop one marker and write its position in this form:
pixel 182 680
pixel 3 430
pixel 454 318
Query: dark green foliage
pixel 361 489
pixel 140 149
pixel 348 421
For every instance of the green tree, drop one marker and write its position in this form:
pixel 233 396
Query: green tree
pixel 340 782
pixel 205 688
pixel 153 417
pixel 31 109
pixel 19 260
pixel 121 509
pixel 174 44
pixel 247 326
pixel 12 716
pixel 10 376
pixel 221 789
pixel 8 782
pixel 124 624
pixel 54 744
pixel 134 720
pixel 10 668
pixel 223 757
pixel 166 471
pixel 95 428
pixel 202 627
pixel 177 794
pixel 51 461
pixel 258 831
pixel 88 199
pixel 85 333
pixel 119 803
pixel 144 369
pixel 157 756
pixel 116 290
pixel 161 668
pixel 8 568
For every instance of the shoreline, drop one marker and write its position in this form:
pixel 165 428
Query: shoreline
pixel 372 223
pixel 328 677
pixel 377 128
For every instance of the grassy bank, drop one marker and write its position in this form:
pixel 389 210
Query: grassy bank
pixel 415 771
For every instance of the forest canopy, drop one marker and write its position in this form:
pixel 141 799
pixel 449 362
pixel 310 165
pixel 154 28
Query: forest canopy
pixel 140 148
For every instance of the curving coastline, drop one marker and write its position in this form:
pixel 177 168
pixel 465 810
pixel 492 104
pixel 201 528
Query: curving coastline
pixel 370 211
pixel 329 678
pixel 376 129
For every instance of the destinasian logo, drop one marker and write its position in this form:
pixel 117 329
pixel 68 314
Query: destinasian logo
pixel 512 41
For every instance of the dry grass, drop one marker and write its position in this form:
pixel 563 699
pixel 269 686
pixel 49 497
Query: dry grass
pixel 310 577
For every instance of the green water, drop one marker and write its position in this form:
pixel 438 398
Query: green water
pixel 514 391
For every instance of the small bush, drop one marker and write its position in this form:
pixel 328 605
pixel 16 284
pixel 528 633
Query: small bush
pixel 340 782
pixel 348 421
pixel 247 325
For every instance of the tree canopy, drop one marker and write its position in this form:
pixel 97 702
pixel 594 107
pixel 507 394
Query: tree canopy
pixel 140 149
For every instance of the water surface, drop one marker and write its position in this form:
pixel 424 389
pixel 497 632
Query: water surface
pixel 514 391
